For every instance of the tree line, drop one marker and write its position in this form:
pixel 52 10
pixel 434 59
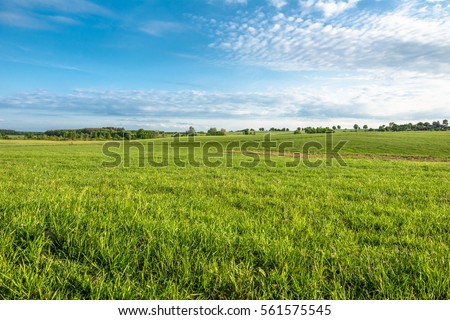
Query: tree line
pixel 113 133
pixel 391 127
pixel 420 126
pixel 86 134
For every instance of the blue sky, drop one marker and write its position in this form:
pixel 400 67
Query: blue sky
pixel 222 63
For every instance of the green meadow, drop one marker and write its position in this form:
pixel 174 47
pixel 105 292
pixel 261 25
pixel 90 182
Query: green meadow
pixel 377 228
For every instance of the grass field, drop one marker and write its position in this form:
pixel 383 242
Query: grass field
pixel 378 228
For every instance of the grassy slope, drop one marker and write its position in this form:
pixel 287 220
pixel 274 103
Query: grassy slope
pixel 375 229
pixel 434 144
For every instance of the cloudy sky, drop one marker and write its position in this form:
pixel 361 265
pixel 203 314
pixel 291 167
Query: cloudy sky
pixel 168 64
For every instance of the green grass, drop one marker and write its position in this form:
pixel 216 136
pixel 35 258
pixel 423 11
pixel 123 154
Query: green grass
pixel 376 229
pixel 424 144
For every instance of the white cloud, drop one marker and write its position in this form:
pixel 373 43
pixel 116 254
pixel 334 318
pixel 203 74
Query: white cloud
pixel 329 7
pixel 374 100
pixel 31 14
pixel 34 21
pixel 278 3
pixel 22 21
pixel 236 1
pixel 159 28
pixel 72 6
pixel 403 39
pixel 228 2
pixel 64 20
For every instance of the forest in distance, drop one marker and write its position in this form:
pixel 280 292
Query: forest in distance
pixel 114 133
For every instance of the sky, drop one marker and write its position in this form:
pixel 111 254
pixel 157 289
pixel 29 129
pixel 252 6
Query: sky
pixel 234 64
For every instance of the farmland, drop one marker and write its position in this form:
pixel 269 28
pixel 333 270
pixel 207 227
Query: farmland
pixel 377 228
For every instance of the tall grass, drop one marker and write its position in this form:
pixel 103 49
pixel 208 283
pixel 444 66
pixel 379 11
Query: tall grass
pixel 72 229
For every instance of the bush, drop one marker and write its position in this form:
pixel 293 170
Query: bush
pixel 310 130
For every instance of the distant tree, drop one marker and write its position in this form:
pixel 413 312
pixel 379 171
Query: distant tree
pixel 365 127
pixel 140 134
pixel 127 135
pixel 339 127
pixel 191 131
pixel 310 130
pixel 261 129
pixel 393 127
pixel 445 122
pixel 212 132
pixel 436 125
pixel 356 127
pixel 334 127
pixel 215 132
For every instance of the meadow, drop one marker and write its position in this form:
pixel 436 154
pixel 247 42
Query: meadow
pixel 378 228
